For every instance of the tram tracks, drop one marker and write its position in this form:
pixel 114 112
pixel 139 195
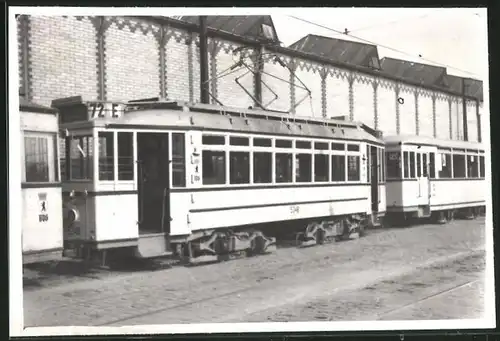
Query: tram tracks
pixel 432 296
pixel 119 297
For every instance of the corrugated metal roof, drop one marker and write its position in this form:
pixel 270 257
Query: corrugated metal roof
pixel 431 75
pixel 245 26
pixel 473 87
pixel 423 73
pixel 342 51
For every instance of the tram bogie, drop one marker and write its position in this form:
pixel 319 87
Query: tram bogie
pixel 430 178
pixel 42 228
pixel 198 181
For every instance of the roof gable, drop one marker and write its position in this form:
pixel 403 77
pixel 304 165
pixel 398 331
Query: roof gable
pixel 342 51
pixel 249 26
pixel 423 73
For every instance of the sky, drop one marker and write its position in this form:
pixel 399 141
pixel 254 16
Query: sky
pixel 456 37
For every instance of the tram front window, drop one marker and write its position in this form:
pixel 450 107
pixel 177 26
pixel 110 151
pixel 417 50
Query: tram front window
pixel 106 160
pixel 76 157
pixel 40 158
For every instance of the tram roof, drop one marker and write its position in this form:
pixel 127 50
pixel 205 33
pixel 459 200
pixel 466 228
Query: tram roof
pixel 172 118
pixel 430 141
pixel 151 119
pixel 27 106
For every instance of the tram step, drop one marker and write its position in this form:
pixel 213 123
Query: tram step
pixel 153 245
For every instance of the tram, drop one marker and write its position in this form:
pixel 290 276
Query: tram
pixel 428 177
pixel 159 178
pixel 42 226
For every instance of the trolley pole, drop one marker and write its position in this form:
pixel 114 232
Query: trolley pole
pixel 204 95
pixel 464 106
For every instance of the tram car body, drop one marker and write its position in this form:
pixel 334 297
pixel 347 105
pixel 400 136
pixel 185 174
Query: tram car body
pixel 428 177
pixel 42 226
pixel 200 180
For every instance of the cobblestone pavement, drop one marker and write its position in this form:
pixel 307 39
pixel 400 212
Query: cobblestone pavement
pixel 449 290
pixel 254 288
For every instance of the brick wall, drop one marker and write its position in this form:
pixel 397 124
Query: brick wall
pixel 386 107
pixel 281 85
pixel 442 117
pixel 228 91
pixel 472 121
pixel 337 93
pixel 131 60
pixel 62 58
pixel 425 114
pixel 456 119
pixel 309 74
pixel 178 65
pixel 407 120
pixel 22 25
pixel 363 103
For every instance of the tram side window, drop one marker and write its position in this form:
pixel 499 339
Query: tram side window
pixel 353 173
pixel 419 167
pixel 481 167
pixel 62 157
pixel 125 156
pixel 262 167
pixel 459 166
pixel 393 160
pixel 412 165
pixel 81 160
pixel 424 164
pixel 472 166
pixel 106 158
pixel 178 160
pixel 368 162
pixel 321 168
pixel 214 167
pixel 445 171
pixel 39 157
pixel 338 167
pixel 383 165
pixel 379 165
pixel 432 166
pixel 239 167
pixel 283 167
pixel 406 162
pixel 303 167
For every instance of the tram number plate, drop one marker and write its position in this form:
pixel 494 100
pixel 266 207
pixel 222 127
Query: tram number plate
pixel 100 110
pixel 294 209
pixel 43 218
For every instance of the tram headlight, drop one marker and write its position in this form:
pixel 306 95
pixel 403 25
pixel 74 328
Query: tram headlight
pixel 72 216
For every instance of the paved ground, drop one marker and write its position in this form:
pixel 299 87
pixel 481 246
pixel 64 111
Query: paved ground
pixel 380 276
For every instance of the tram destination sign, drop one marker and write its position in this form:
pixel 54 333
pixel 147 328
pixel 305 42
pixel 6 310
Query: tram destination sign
pixel 96 110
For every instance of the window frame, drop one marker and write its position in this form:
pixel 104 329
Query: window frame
pixel 90 164
pixel 464 155
pixel 53 167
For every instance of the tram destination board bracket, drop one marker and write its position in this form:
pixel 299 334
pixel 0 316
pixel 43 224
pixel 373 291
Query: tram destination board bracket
pixel 75 109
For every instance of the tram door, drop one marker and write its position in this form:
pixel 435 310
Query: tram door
pixel 423 178
pixel 374 177
pixel 153 182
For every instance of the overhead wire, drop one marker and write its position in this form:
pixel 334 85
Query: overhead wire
pixel 381 45
pixel 388 23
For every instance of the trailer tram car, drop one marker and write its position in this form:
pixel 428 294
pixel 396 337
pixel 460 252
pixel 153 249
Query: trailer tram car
pixel 196 180
pixel 433 178
pixel 42 226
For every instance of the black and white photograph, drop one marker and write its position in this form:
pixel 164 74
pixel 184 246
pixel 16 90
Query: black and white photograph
pixel 194 170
